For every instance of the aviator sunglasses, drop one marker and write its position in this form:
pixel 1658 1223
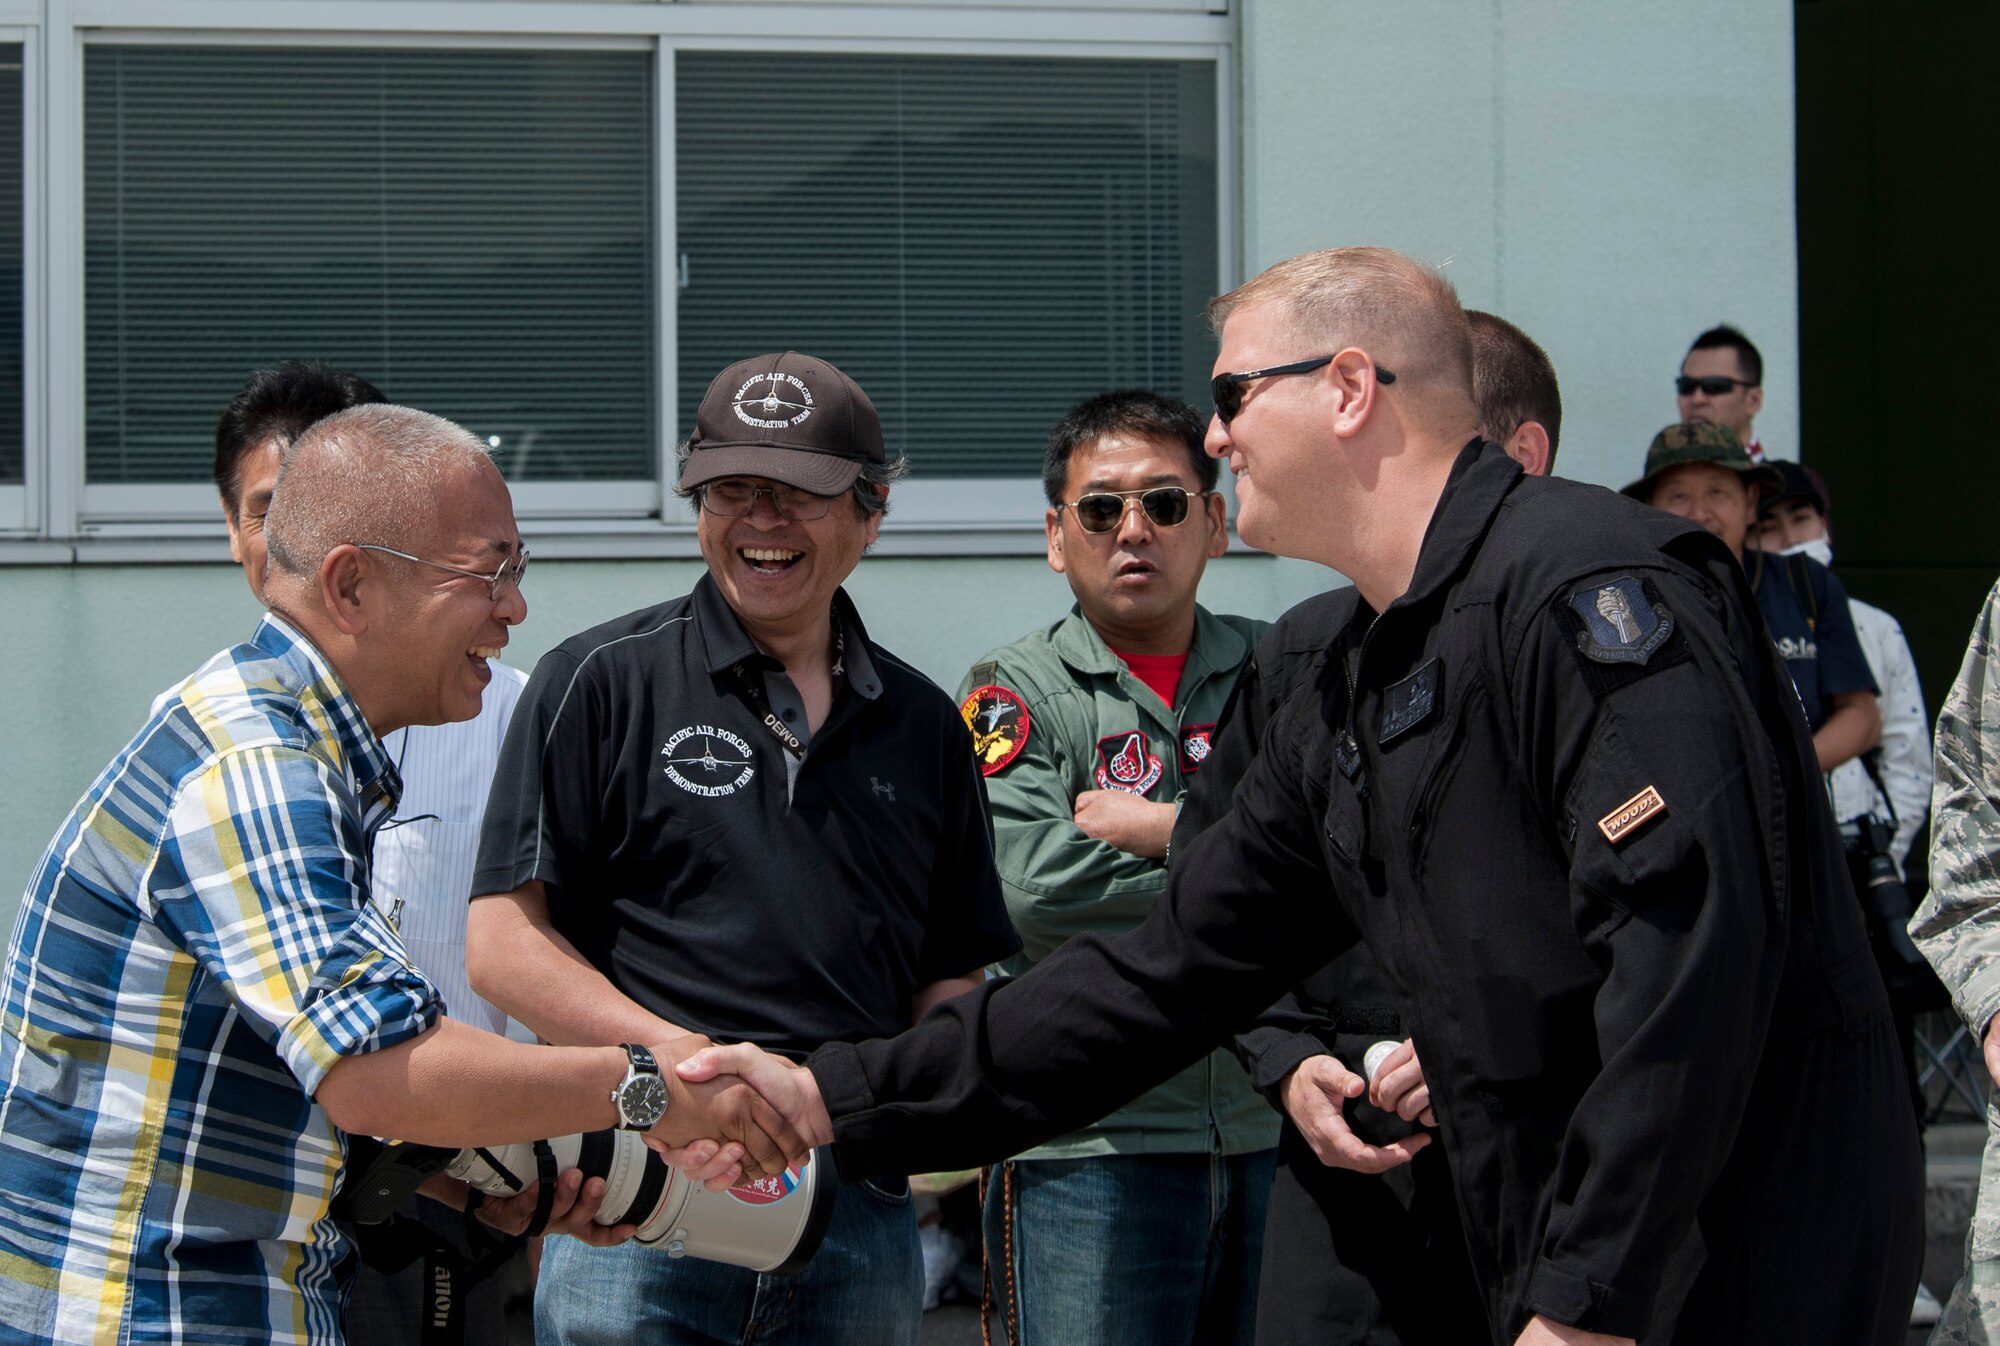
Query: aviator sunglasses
pixel 1715 385
pixel 1102 511
pixel 1227 389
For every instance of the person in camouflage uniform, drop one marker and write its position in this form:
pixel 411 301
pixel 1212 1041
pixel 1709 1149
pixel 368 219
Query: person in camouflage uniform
pixel 1958 929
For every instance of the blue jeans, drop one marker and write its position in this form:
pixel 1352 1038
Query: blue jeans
pixel 1128 1250
pixel 864 1287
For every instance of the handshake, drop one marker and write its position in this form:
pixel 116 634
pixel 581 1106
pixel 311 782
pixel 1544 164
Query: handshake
pixel 735 1114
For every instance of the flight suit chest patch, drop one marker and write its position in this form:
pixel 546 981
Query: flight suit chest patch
pixel 1408 703
pixel 1197 742
pixel 1125 762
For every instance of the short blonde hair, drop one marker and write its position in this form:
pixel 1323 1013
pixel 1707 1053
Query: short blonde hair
pixel 1404 314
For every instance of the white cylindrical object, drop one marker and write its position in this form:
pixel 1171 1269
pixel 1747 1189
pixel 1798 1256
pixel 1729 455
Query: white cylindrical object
pixel 1371 1063
pixel 773 1224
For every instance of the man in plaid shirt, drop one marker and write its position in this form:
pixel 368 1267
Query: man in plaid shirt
pixel 200 1000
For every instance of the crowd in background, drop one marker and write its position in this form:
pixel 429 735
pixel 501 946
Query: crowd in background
pixel 596 852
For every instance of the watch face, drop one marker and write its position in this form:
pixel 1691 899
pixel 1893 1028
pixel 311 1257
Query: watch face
pixel 643 1100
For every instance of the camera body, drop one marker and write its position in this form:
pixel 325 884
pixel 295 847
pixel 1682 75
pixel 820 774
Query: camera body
pixel 1886 907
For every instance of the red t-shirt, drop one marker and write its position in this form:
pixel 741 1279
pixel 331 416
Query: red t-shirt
pixel 1161 672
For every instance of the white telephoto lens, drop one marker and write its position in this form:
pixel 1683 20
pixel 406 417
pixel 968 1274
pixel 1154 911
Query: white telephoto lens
pixel 771 1225
pixel 1371 1064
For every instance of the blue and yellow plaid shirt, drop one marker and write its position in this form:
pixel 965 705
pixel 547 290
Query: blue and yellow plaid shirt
pixel 195 951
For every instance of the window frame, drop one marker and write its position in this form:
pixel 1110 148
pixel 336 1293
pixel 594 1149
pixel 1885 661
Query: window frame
pixel 21 502
pixel 960 516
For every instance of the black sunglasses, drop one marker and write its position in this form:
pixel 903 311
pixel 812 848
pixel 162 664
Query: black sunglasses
pixel 1715 385
pixel 1227 389
pixel 1102 511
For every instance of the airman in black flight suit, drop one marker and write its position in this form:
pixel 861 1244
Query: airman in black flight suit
pixel 1365 1259
pixel 1555 776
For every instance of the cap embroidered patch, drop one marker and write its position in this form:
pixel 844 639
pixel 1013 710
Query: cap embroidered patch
pixel 785 401
pixel 1197 741
pixel 998 719
pixel 1123 763
pixel 1619 823
pixel 1621 622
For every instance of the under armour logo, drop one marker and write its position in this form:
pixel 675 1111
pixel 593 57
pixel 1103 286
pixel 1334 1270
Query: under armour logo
pixel 886 789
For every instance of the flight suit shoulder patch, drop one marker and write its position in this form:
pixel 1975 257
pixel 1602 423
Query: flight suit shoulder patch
pixel 998 719
pixel 1621 631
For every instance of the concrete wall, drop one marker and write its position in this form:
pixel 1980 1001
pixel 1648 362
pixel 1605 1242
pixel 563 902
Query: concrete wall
pixel 1614 178
pixel 97 643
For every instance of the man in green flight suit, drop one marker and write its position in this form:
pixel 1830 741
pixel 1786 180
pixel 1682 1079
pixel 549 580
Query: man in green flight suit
pixel 1146 1227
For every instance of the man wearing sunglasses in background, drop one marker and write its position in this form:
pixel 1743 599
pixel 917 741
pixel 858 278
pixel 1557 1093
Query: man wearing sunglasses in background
pixel 1722 381
pixel 734 813
pixel 1089 733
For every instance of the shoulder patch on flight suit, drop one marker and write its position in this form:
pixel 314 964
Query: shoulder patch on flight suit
pixel 1622 632
pixel 1621 622
pixel 1408 703
pixel 998 719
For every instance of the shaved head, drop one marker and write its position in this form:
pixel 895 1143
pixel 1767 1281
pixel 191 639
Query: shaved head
pixel 368 474
pixel 1402 313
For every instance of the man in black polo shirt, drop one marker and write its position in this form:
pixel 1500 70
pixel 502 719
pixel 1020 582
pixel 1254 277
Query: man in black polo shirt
pixel 734 814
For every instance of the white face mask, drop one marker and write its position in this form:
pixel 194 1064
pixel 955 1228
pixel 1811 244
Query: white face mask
pixel 1819 549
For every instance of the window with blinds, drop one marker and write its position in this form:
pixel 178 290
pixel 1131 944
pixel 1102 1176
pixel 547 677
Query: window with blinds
pixel 472 230
pixel 980 242
pixel 11 408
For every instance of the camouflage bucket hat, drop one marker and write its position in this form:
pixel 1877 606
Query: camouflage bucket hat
pixel 1701 442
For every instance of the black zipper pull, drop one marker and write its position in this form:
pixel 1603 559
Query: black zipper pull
pixel 1347 755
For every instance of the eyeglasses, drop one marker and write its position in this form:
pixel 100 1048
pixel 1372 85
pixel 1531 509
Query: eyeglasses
pixel 1715 385
pixel 509 573
pixel 1227 389
pixel 731 499
pixel 1102 511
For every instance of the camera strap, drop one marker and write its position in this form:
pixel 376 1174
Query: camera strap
pixel 448 1274
pixel 1869 764
pixel 545 1195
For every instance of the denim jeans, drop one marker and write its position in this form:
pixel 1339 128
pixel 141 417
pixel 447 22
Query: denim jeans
pixel 1128 1250
pixel 864 1287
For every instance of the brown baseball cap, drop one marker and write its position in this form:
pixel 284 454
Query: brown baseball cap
pixel 1700 442
pixel 790 418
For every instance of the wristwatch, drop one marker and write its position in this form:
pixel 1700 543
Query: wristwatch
pixel 641 1097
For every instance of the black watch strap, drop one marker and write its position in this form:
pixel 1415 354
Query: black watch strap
pixel 641 1063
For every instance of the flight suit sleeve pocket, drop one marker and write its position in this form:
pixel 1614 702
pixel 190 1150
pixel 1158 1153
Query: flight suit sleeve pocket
pixel 1630 829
